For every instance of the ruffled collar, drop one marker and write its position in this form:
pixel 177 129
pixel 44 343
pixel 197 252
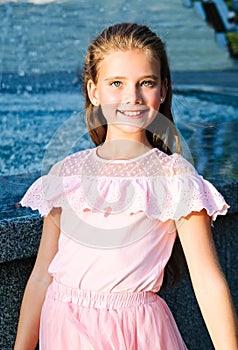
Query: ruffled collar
pixel 163 187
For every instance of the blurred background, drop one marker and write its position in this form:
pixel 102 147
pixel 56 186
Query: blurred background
pixel 42 48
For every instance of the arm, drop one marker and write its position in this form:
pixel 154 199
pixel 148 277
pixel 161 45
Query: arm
pixel 28 327
pixel 209 284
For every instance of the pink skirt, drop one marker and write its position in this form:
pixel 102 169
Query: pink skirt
pixel 73 319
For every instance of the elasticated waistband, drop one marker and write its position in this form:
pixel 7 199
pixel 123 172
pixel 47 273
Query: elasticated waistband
pixel 97 299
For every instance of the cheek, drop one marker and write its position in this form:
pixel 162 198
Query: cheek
pixel 153 100
pixel 109 97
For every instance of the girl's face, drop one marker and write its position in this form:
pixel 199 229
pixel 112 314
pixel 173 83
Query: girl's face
pixel 129 90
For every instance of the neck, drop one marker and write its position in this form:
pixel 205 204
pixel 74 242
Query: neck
pixel 123 149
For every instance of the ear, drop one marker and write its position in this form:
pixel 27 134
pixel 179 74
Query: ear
pixel 163 90
pixel 92 92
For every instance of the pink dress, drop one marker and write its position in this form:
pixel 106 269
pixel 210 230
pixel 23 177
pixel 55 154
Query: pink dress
pixel 117 233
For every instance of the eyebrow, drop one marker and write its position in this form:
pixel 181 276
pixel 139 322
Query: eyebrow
pixel 149 76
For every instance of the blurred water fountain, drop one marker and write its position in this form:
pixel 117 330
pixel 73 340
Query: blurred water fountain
pixel 42 45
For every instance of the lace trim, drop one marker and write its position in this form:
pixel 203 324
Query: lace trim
pixel 161 197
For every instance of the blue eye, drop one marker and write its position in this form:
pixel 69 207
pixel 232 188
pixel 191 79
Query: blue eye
pixel 116 83
pixel 147 83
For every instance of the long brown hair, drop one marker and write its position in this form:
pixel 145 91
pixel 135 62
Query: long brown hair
pixel 164 136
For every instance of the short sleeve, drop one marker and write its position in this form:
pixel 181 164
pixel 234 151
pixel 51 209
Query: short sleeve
pixel 43 193
pixel 190 192
pixel 171 192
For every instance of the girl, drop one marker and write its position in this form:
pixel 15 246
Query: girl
pixel 113 214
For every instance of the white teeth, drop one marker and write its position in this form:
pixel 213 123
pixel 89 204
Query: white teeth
pixel 131 114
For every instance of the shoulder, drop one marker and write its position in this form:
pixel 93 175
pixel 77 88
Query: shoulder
pixel 72 164
pixel 182 165
pixel 174 164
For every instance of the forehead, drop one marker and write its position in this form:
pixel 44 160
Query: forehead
pixel 133 61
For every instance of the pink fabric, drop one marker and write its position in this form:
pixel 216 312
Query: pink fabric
pixel 164 187
pixel 117 233
pixel 117 262
pixel 74 319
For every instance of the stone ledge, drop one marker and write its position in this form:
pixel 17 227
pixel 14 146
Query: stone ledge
pixel 19 237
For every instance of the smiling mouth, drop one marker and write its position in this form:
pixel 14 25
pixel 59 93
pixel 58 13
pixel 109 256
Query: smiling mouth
pixel 133 114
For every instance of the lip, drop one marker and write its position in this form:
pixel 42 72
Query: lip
pixel 133 113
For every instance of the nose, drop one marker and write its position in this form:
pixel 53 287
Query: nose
pixel 133 95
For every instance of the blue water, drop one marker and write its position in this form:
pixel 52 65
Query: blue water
pixel 42 124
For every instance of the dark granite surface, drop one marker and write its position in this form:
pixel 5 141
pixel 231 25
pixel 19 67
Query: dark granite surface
pixel 12 188
pixel 19 238
pixel 14 276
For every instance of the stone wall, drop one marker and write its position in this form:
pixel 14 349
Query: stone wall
pixel 19 239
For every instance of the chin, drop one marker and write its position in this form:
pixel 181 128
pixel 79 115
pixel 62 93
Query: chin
pixel 129 128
